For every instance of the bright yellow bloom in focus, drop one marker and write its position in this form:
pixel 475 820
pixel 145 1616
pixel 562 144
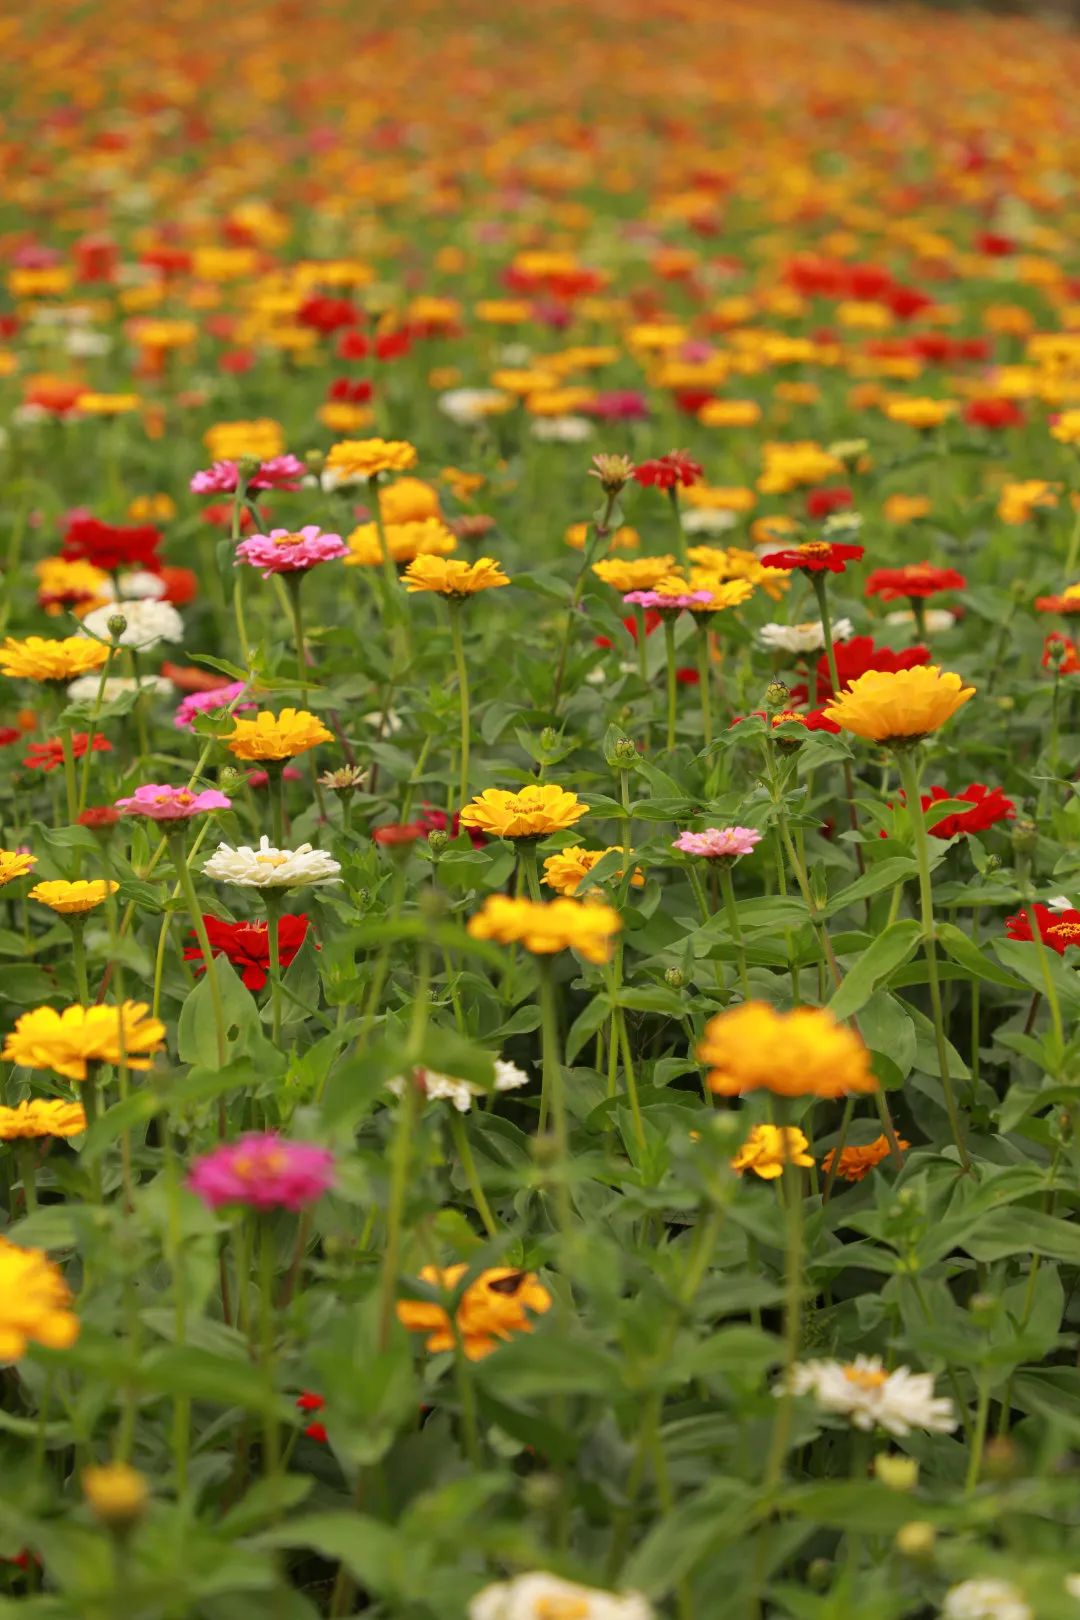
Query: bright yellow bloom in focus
pixel 72 899
pixel 492 1308
pixel 634 574
pixel 769 1148
pixel 534 812
pixel 585 926
pixel 1066 430
pixel 68 1040
pixel 365 458
pixel 41 1116
pixel 15 863
pixel 729 413
pixel 900 509
pixel 453 578
pixel 428 537
pixel 262 439
pixel 116 1492
pixel 885 706
pixel 409 500
pixel 277 736
pixel 802 1053
pixel 567 870
pixel 1018 501
pixel 919 413
pixel 35 1303
pixel 37 659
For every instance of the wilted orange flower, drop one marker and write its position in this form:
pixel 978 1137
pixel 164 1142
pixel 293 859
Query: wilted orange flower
pixel 857 1162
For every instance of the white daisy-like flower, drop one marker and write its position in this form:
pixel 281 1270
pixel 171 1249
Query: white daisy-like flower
pixel 863 1391
pixel 140 585
pixel 148 622
pixel 444 1088
pixel 270 868
pixel 708 520
pixel 988 1599
pixel 562 429
pixel 465 406
pixel 85 688
pixel 540 1596
pixel 934 619
pixel 809 636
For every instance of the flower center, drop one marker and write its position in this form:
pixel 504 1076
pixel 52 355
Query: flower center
pixel 561 1608
pixel 815 548
pixel 1064 930
pixel 866 1378
pixel 272 860
pixel 289 540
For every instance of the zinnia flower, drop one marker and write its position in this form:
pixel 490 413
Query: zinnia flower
pixel 769 1148
pixel 870 1397
pixel 989 806
pixel 806 637
pixel 66 1041
pixel 422 537
pixel 284 551
pixel 452 578
pixel 903 706
pixel 264 1171
pixel 270 868
pixel 544 928
pixel 148 622
pixel 533 812
pixel 111 546
pixel 72 899
pixel 48 756
pixel 633 574
pixel 567 870
pixel 276 472
pixel 667 597
pixel 365 458
pixel 919 413
pixel 1058 929
pixel 668 471
pixel 815 557
pixel 41 1116
pixel 1067 602
pixel 218 698
pixel 916 581
pixel 159 802
pixel 859 655
pixel 492 1308
pixel 280 736
pixel 462 1093
pixel 116 1493
pixel 15 863
pixel 37 659
pixel 857 1162
pixel 802 1053
pixel 719 843
pixel 539 1596
pixel 989 1598
pixel 247 946
pixel 35 1303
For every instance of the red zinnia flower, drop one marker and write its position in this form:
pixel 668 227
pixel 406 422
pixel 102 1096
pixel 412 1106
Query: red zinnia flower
pixel 181 584
pixel 247 945
pixel 1058 604
pixel 190 679
pixel 327 314
pixel 308 1402
pixel 993 413
pixel 913 580
pixel 1058 929
pixel 9 735
pixel 822 503
pixel 98 815
pixel 668 471
pixel 815 557
pixel 988 806
pixel 433 820
pixel 112 545
pixel 394 834
pixel 856 656
pixel 353 393
pixel 1070 661
pixel 49 755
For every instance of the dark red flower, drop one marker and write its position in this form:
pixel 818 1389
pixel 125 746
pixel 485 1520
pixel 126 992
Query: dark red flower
pixel 994 244
pixel 669 471
pixel 1058 929
pixel 395 834
pixel 988 807
pixel 326 314
pixel 352 393
pixel 815 557
pixel 112 545
pixel 856 656
pixel 259 779
pixel 98 815
pixel 220 513
pixel 652 620
pixel 247 945
pixel 307 1402
pixel 49 755
pixel 9 735
pixel 1058 604
pixel 822 503
pixel 1069 654
pixel 993 413
pixel 918 580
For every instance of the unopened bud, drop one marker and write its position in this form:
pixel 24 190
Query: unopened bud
pixel 819 1572
pixel 1001 1460
pixel 1025 837
pixel 777 695
pixel 437 840
pixel 247 467
pixel 549 738
pixel 916 1540
pixel 314 460
pixel 675 978
pixel 896 1472
pixel 540 1492
pixel 992 863
pixel 116 624
pixel 625 753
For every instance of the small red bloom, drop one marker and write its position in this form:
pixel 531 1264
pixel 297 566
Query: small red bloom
pixel 433 820
pixel 98 815
pixel 181 584
pixel 918 580
pixel 669 471
pixel 1070 659
pixel 395 834
pixel 1058 929
pixel 190 679
pixel 9 735
pixel 112 545
pixel 815 557
pixel 327 315
pixel 259 779
pixel 993 413
pixel 247 946
pixel 308 1402
pixel 1058 604
pixel 822 503
pixel 988 807
pixel 49 755
pixel 352 393
pixel 995 245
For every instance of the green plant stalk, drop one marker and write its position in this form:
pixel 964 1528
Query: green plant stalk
pixel 468 1165
pixel 680 532
pixel 454 609
pixel 909 776
pixel 84 774
pixel 793 1260
pixel 28 1175
pixel 271 1432
pixel 77 925
pixel 276 788
pixel 526 849
pixel 553 1099
pixel 705 682
pixel 70 789
pixel 672 682
pixel 401 1150
pixel 272 899
pixel 978 1440
pixel 187 886
pixel 733 923
pixel 641 643
pixel 1052 1001
pixel 294 582
pixel 88 1095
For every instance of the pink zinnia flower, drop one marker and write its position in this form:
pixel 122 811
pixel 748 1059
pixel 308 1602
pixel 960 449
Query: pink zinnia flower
pixel 284 551
pixel 719 843
pixel 162 803
pixel 663 602
pixel 263 1170
pixel 219 697
pixel 279 472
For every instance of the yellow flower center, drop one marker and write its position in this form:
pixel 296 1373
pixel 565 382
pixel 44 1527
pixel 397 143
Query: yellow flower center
pixel 866 1378
pixel 1064 930
pixel 271 860
pixel 815 548
pixel 288 540
pixel 561 1608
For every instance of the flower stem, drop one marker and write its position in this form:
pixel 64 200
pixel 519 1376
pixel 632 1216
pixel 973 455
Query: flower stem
pixel 552 1096
pixel 271 1434
pixel 468 1164
pixel 734 925
pixel 463 699
pixel 792 1183
pixel 294 581
pixel 680 533
pixel 705 685
pixel 401 1148
pixel 272 900
pixel 183 873
pixel 672 690
pixel 527 856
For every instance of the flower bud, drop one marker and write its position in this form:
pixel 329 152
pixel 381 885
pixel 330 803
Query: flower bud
pixel 916 1540
pixel 437 840
pixel 896 1472
pixel 777 695
pixel 819 1573
pixel 675 978
pixel 549 739
pixel 624 755
pixel 1025 838
pixel 117 1494
pixel 246 468
pixel 613 471
pixel 1001 1459
pixel 116 624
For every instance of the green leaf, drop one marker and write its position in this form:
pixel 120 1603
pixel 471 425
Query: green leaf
pixel 591 1017
pixel 888 951
pixel 897 869
pixel 367 1547
pixel 960 948
pixel 196 1035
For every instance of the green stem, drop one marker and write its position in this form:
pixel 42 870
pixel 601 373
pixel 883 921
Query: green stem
pixel 183 873
pixel 672 684
pixel 526 848
pixel 733 923
pixel 294 582
pixel 705 683
pixel 276 788
pixel 401 1149
pixel 553 1099
pixel 463 699
pixel 84 775
pixel 793 1260
pixel 680 532
pixel 70 788
pixel 271 1433
pixel 28 1173
pixel 272 899
pixel 78 958
pixel 978 1441
pixel 468 1164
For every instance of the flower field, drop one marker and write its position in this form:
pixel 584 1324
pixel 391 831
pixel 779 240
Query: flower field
pixel 540 870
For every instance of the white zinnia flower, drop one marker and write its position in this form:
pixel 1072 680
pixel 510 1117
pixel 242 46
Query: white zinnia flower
pixel 466 406
pixel 546 1597
pixel 444 1088
pixel 934 619
pixel 140 584
pixel 148 622
pixel 85 688
pixel 987 1599
pixel 562 429
pixel 708 520
pixel 863 1391
pixel 809 636
pixel 270 868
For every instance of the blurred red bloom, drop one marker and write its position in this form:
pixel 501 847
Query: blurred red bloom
pixel 1070 655
pixel 433 820
pixel 308 1402
pixel 247 945
pixel 822 503
pixel 98 815
pixel 668 471
pixel 327 315
pixel 993 413
pixel 111 545
pixel 353 393
pixel 815 557
pixel 49 755
pixel 394 834
pixel 913 580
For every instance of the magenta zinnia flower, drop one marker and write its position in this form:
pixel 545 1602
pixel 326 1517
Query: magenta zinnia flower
pixel 719 843
pixel 284 551
pixel 162 803
pixel 279 472
pixel 206 702
pixel 663 602
pixel 264 1171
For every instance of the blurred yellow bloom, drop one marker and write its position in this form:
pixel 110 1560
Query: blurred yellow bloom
pixel 919 413
pixel 722 413
pixel 633 574
pixel 900 509
pixel 492 1309
pixel 15 863
pixel 1019 501
pixel 802 1053
pixel 107 404
pixel 428 537
pixel 35 1303
pixel 544 928
pixel 41 1116
pixel 769 1148
pixel 365 458
pixel 67 1040
pixel 261 439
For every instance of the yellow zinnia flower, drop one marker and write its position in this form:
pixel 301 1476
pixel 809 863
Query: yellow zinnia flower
pixel 409 500
pixel 1018 501
pixel 919 413
pixel 38 659
pixel 723 413
pixel 769 1148
pixel 624 539
pixel 364 458
pixel 585 926
pixel 567 870
pixel 151 508
pixel 453 578
pixel 725 593
pixel 905 508
pixel 885 705
pixel 14 863
pixel 533 812
pixel 492 1308
pixel 35 1303
pixel 261 439
pixel 787 466
pixel 803 1053
pixel 41 1116
pixel 427 537
pixel 277 736
pixel 107 404
pixel 72 899
pixel 68 1040
pixel 116 1492
pixel 1066 430
pixel 633 574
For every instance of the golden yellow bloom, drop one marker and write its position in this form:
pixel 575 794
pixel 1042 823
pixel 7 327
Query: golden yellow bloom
pixel 725 413
pixel 1019 501
pixel 533 812
pixel 492 1308
pixel 566 871
pixel 905 508
pixel 340 416
pixel 919 413
pixel 719 498
pixel 116 1492
pixel 522 382
pixel 277 736
pixel 885 705
pixel 41 1116
pixel 365 458
pixel 462 485
pixel 262 439
pixel 107 404
pixel 427 537
pixel 72 899
pixel 585 926
pixel 68 1040
pixel 37 659
pixel 725 593
pixel 409 500
pixel 1066 430
pixel 15 864
pixel 633 574
pixel 502 311
pixel 453 578
pixel 802 1053
pixel 624 539
pixel 33 281
pixel 559 401
pixel 157 508
pixel 714 565
pixel 769 1148
pixel 35 1303
pixel 857 1162
pixel 788 466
